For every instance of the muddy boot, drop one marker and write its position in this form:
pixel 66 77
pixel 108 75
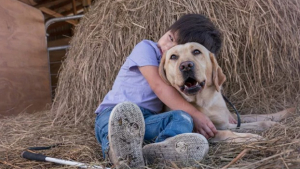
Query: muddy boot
pixel 184 150
pixel 126 132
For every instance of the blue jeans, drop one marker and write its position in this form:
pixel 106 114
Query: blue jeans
pixel 158 127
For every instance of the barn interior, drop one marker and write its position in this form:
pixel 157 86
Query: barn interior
pixel 58 59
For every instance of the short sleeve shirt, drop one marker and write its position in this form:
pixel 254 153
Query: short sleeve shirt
pixel 130 84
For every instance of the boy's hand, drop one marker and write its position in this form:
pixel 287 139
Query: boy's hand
pixel 204 126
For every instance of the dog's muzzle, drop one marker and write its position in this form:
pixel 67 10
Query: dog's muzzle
pixel 191 86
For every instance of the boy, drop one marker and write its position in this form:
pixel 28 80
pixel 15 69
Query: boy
pixel 128 114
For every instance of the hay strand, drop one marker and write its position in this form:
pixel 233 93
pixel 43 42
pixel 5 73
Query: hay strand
pixel 241 155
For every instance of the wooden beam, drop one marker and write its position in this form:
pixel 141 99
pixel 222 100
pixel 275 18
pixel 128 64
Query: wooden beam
pixel 78 8
pixel 29 2
pixel 56 56
pixel 56 15
pixel 49 3
pixel 57 25
pixel 60 34
pixel 60 5
pixel 64 8
pixel 86 4
pixel 74 7
pixel 59 42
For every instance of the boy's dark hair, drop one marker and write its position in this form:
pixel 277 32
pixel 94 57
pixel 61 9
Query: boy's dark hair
pixel 197 28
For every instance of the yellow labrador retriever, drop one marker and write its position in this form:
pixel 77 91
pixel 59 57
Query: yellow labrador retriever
pixel 195 73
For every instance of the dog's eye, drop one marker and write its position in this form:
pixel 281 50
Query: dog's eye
pixel 173 57
pixel 196 52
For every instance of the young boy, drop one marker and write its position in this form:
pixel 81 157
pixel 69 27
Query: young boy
pixel 128 114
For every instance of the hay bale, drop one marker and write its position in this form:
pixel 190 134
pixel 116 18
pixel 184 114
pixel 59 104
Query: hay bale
pixel 260 53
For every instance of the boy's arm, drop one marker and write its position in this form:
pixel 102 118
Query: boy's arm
pixel 170 96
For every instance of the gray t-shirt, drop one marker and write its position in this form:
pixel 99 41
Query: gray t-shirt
pixel 130 84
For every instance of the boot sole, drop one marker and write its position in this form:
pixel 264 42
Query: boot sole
pixel 126 132
pixel 184 150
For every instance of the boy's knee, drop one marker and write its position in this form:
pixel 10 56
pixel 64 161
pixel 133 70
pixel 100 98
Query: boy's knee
pixel 180 114
pixel 184 120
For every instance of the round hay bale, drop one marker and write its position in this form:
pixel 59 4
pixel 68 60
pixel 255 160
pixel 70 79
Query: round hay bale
pixel 260 53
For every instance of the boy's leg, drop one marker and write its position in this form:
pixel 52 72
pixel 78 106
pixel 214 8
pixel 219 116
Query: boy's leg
pixel 174 139
pixel 168 124
pixel 101 129
pixel 126 131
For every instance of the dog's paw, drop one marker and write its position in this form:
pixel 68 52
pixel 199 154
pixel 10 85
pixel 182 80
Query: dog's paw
pixel 285 113
pixel 264 125
pixel 234 137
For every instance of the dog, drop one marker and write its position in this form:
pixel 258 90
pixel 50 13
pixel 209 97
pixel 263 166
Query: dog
pixel 193 70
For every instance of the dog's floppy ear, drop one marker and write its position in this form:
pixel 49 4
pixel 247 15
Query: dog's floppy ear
pixel 218 76
pixel 161 70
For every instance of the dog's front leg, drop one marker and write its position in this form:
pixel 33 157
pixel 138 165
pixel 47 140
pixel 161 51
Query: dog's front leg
pixel 258 126
pixel 229 136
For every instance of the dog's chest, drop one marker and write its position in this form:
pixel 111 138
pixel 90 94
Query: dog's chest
pixel 214 107
pixel 207 100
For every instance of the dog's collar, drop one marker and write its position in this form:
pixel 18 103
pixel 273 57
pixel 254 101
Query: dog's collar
pixel 236 112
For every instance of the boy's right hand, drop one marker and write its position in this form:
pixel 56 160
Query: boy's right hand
pixel 203 125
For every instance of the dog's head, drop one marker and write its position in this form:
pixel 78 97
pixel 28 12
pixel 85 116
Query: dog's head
pixel 190 68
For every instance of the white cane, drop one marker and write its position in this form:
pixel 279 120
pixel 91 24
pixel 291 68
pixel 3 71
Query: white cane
pixel 40 157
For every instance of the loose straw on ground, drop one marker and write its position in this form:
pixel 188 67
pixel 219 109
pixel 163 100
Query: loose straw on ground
pixel 241 155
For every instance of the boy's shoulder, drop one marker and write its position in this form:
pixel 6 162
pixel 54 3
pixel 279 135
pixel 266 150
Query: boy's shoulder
pixel 146 46
pixel 145 52
pixel 147 43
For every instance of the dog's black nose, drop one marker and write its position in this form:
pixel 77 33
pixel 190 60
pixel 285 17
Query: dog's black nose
pixel 186 66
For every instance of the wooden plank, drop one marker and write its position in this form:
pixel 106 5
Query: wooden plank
pixel 57 56
pixel 57 25
pixel 59 42
pixel 24 69
pixel 56 15
pixel 61 5
pixel 86 4
pixel 53 91
pixel 78 8
pixel 58 34
pixel 29 2
pixel 54 80
pixel 49 3
pixel 54 67
pixel 74 7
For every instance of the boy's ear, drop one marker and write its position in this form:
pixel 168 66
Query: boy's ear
pixel 218 76
pixel 161 70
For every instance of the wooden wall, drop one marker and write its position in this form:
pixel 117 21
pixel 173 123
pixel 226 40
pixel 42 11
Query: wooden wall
pixel 24 68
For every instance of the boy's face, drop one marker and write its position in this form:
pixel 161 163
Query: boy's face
pixel 166 42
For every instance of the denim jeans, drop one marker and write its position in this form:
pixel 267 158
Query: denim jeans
pixel 158 127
